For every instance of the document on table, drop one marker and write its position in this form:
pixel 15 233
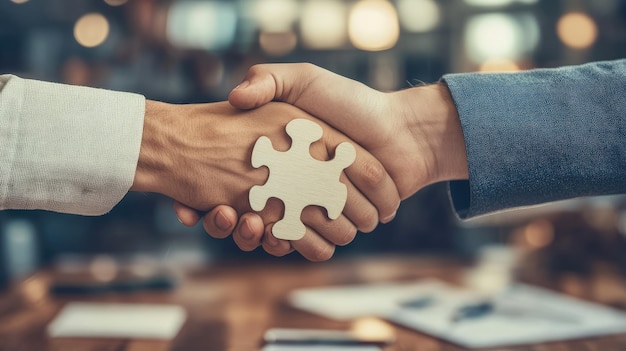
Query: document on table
pixel 319 348
pixel 520 315
pixel 113 320
pixel 353 301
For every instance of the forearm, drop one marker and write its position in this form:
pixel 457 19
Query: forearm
pixel 541 135
pixel 66 148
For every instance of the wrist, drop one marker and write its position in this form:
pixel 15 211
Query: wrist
pixel 433 120
pixel 154 159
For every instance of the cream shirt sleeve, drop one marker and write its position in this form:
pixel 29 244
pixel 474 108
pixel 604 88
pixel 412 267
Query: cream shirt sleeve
pixel 66 148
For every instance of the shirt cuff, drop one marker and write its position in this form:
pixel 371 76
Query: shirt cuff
pixel 67 149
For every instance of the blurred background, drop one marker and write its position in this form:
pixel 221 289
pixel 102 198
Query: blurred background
pixel 196 51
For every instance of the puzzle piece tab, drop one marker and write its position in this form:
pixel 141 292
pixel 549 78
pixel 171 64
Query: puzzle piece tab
pixel 298 179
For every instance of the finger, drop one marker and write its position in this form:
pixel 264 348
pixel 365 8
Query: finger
pixel 370 177
pixel 186 215
pixel 359 210
pixel 220 221
pixel 372 193
pixel 274 246
pixel 249 231
pixel 340 231
pixel 314 247
pixel 305 85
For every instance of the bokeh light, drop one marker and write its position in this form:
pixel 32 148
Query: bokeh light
pixel 201 25
pixel 373 25
pixel 419 15
pixel 19 1
pixel 499 65
pixel 34 289
pixel 91 30
pixel 323 24
pixel 539 233
pixel 275 15
pixel 577 30
pixel 371 328
pixel 103 268
pixel 494 36
pixel 76 71
pixel 278 44
pixel 497 3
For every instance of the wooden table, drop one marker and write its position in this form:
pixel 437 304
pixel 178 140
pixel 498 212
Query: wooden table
pixel 230 306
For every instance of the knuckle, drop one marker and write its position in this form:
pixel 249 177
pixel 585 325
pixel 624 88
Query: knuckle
pixel 373 173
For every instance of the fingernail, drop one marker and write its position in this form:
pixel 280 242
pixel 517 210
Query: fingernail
pixel 242 85
pixel 179 220
pixel 389 218
pixel 246 231
pixel 221 221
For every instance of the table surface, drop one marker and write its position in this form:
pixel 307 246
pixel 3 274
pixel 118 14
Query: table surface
pixel 230 306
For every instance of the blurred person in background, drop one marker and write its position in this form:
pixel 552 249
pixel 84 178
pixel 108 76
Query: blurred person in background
pixel 79 150
pixel 503 140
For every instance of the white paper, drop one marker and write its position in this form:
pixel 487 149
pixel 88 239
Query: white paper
pixel 109 320
pixel 549 316
pixel 353 301
pixel 545 315
pixel 319 348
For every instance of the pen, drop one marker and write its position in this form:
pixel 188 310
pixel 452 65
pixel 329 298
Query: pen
pixel 481 309
pixel 418 302
pixel 472 311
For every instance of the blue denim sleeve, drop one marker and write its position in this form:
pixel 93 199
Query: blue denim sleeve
pixel 540 135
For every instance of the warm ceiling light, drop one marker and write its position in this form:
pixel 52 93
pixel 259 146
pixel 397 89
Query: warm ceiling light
pixel 577 30
pixel 373 25
pixel 418 15
pixel 91 30
pixel 278 44
pixel 323 24
pixel 499 65
pixel 275 15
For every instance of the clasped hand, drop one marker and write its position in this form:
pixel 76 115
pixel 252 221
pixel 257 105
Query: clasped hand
pixel 413 138
pixel 205 161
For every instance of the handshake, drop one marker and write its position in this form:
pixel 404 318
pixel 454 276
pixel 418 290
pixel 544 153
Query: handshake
pixel 526 138
pixel 200 154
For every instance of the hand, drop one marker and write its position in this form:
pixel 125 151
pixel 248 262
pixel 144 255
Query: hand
pixel 200 156
pixel 415 133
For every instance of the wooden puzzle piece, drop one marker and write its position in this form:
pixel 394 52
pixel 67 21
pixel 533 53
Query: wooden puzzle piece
pixel 299 180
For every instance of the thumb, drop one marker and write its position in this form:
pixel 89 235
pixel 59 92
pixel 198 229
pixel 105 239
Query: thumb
pixel 267 82
pixel 347 105
pixel 186 215
pixel 257 89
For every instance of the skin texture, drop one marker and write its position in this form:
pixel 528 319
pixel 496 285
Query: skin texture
pixel 415 133
pixel 200 156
